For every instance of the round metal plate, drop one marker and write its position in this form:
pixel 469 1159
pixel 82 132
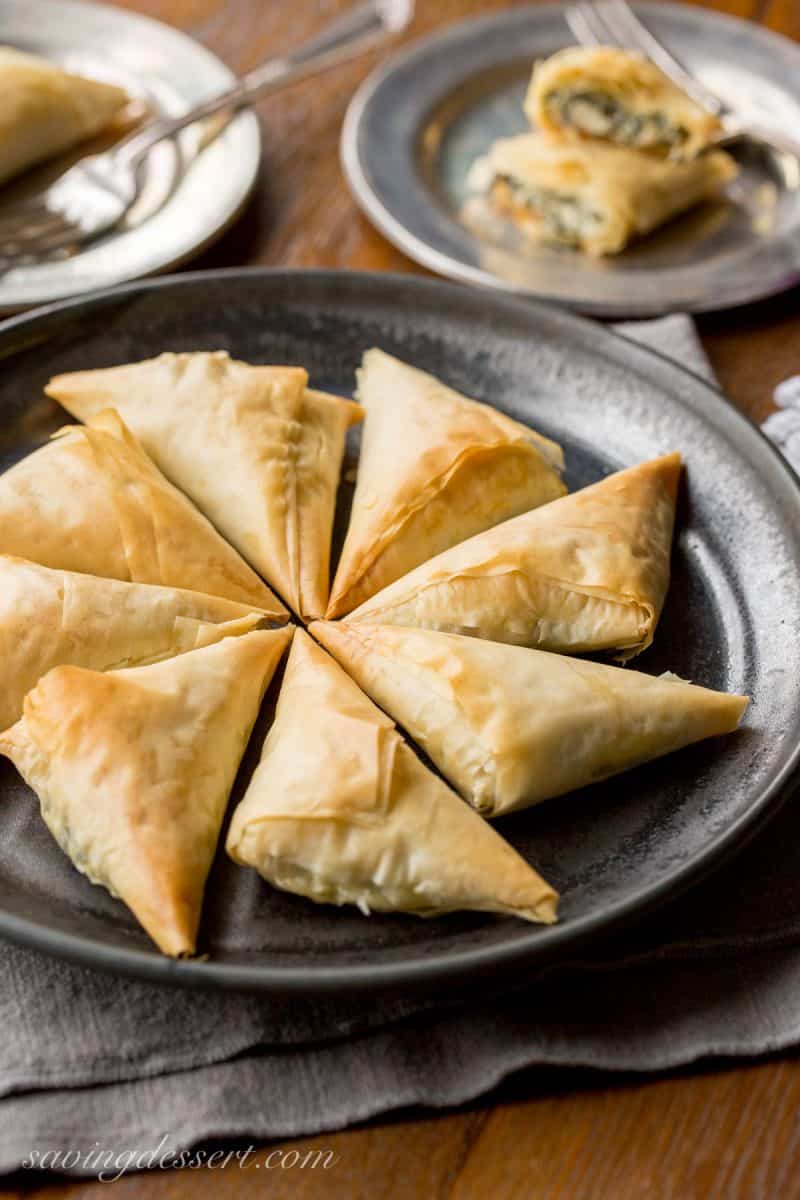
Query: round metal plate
pixel 730 621
pixel 416 125
pixel 188 197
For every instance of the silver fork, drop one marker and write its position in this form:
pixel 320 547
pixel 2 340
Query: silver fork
pixel 614 23
pixel 95 194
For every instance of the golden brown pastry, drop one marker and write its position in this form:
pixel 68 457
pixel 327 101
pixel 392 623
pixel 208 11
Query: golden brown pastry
pixel 435 468
pixel 49 618
pixel 92 501
pixel 340 810
pixel 257 451
pixel 592 196
pixel 602 92
pixel 587 572
pixel 510 726
pixel 133 769
pixel 46 110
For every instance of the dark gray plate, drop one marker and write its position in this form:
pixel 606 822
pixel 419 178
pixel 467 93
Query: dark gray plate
pixel 417 124
pixel 731 619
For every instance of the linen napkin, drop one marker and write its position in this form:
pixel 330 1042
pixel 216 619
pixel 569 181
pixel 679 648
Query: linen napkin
pixel 783 427
pixel 110 1070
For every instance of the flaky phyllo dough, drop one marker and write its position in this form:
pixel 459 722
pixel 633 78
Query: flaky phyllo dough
pixel 92 501
pixel 341 810
pixel 435 468
pixel 255 449
pixel 133 769
pixel 594 196
pixel 510 726
pixel 588 572
pixel 602 92
pixel 46 110
pixel 49 618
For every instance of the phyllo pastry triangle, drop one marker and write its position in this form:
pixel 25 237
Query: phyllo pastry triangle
pixel 49 618
pixel 602 92
pixel 47 110
pixel 435 468
pixel 254 448
pixel 133 769
pixel 341 810
pixel 587 572
pixel 91 500
pixel 509 726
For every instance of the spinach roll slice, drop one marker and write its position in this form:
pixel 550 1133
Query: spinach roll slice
pixel 606 93
pixel 595 197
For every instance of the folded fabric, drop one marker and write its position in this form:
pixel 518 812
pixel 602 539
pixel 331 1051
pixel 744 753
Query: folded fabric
pixel 783 427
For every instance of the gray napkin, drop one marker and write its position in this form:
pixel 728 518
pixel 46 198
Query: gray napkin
pixel 112 1071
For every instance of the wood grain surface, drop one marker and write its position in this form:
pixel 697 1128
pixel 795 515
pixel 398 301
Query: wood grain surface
pixel 727 1131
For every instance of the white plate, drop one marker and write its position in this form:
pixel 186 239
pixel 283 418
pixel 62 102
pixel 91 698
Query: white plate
pixel 189 195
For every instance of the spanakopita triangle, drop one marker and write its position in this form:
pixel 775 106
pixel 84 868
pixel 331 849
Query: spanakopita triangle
pixel 435 468
pixel 49 618
pixel 47 110
pixel 255 449
pixel 340 810
pixel 510 726
pixel 133 769
pixel 588 572
pixel 91 500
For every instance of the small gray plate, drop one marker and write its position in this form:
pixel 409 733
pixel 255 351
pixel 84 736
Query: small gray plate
pixel 417 124
pixel 731 620
pixel 190 192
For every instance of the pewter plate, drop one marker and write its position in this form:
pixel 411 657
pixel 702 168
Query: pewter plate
pixel 190 192
pixel 731 621
pixel 417 124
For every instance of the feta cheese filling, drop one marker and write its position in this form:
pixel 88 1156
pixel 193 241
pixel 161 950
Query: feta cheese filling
pixel 566 217
pixel 599 114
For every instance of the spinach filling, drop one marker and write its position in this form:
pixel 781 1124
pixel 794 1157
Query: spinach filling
pixel 566 217
pixel 598 114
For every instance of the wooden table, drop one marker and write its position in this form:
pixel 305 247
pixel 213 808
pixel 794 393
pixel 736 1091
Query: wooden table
pixel 728 1132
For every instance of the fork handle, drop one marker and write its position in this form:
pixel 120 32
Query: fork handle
pixel 356 31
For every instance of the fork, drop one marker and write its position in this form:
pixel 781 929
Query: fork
pixel 613 22
pixel 95 194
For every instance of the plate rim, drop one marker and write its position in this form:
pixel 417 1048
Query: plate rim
pixel 249 167
pixel 420 974
pixel 448 267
